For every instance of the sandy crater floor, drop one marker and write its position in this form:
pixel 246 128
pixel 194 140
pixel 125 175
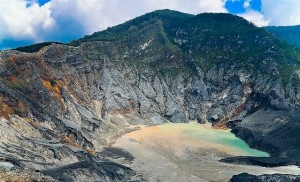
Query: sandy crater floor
pixel 189 152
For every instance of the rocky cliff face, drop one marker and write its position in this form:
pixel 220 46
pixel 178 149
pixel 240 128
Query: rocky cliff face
pixel 62 105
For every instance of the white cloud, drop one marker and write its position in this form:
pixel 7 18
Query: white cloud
pixel 251 15
pixel 282 12
pixel 95 15
pixel 274 12
pixel 25 19
pixel 255 17
pixel 21 19
pixel 247 4
pixel 212 6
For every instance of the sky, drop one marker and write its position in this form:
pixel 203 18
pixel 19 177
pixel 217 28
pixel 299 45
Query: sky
pixel 23 22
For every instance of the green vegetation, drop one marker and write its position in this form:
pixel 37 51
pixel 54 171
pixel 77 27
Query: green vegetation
pixel 132 27
pixel 35 47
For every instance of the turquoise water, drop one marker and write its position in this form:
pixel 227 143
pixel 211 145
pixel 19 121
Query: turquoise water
pixel 192 135
pixel 223 138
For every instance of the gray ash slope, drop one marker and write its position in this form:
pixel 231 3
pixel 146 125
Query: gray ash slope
pixel 60 106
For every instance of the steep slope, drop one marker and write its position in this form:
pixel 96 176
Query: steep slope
pixel 290 34
pixel 65 103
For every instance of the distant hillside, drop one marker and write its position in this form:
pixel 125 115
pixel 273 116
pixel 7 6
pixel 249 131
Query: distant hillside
pixel 290 34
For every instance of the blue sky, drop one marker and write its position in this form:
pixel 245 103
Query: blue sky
pixel 236 7
pixel 24 22
pixel 42 2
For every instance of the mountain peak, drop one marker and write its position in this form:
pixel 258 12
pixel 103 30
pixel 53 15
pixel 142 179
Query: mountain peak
pixel 171 20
